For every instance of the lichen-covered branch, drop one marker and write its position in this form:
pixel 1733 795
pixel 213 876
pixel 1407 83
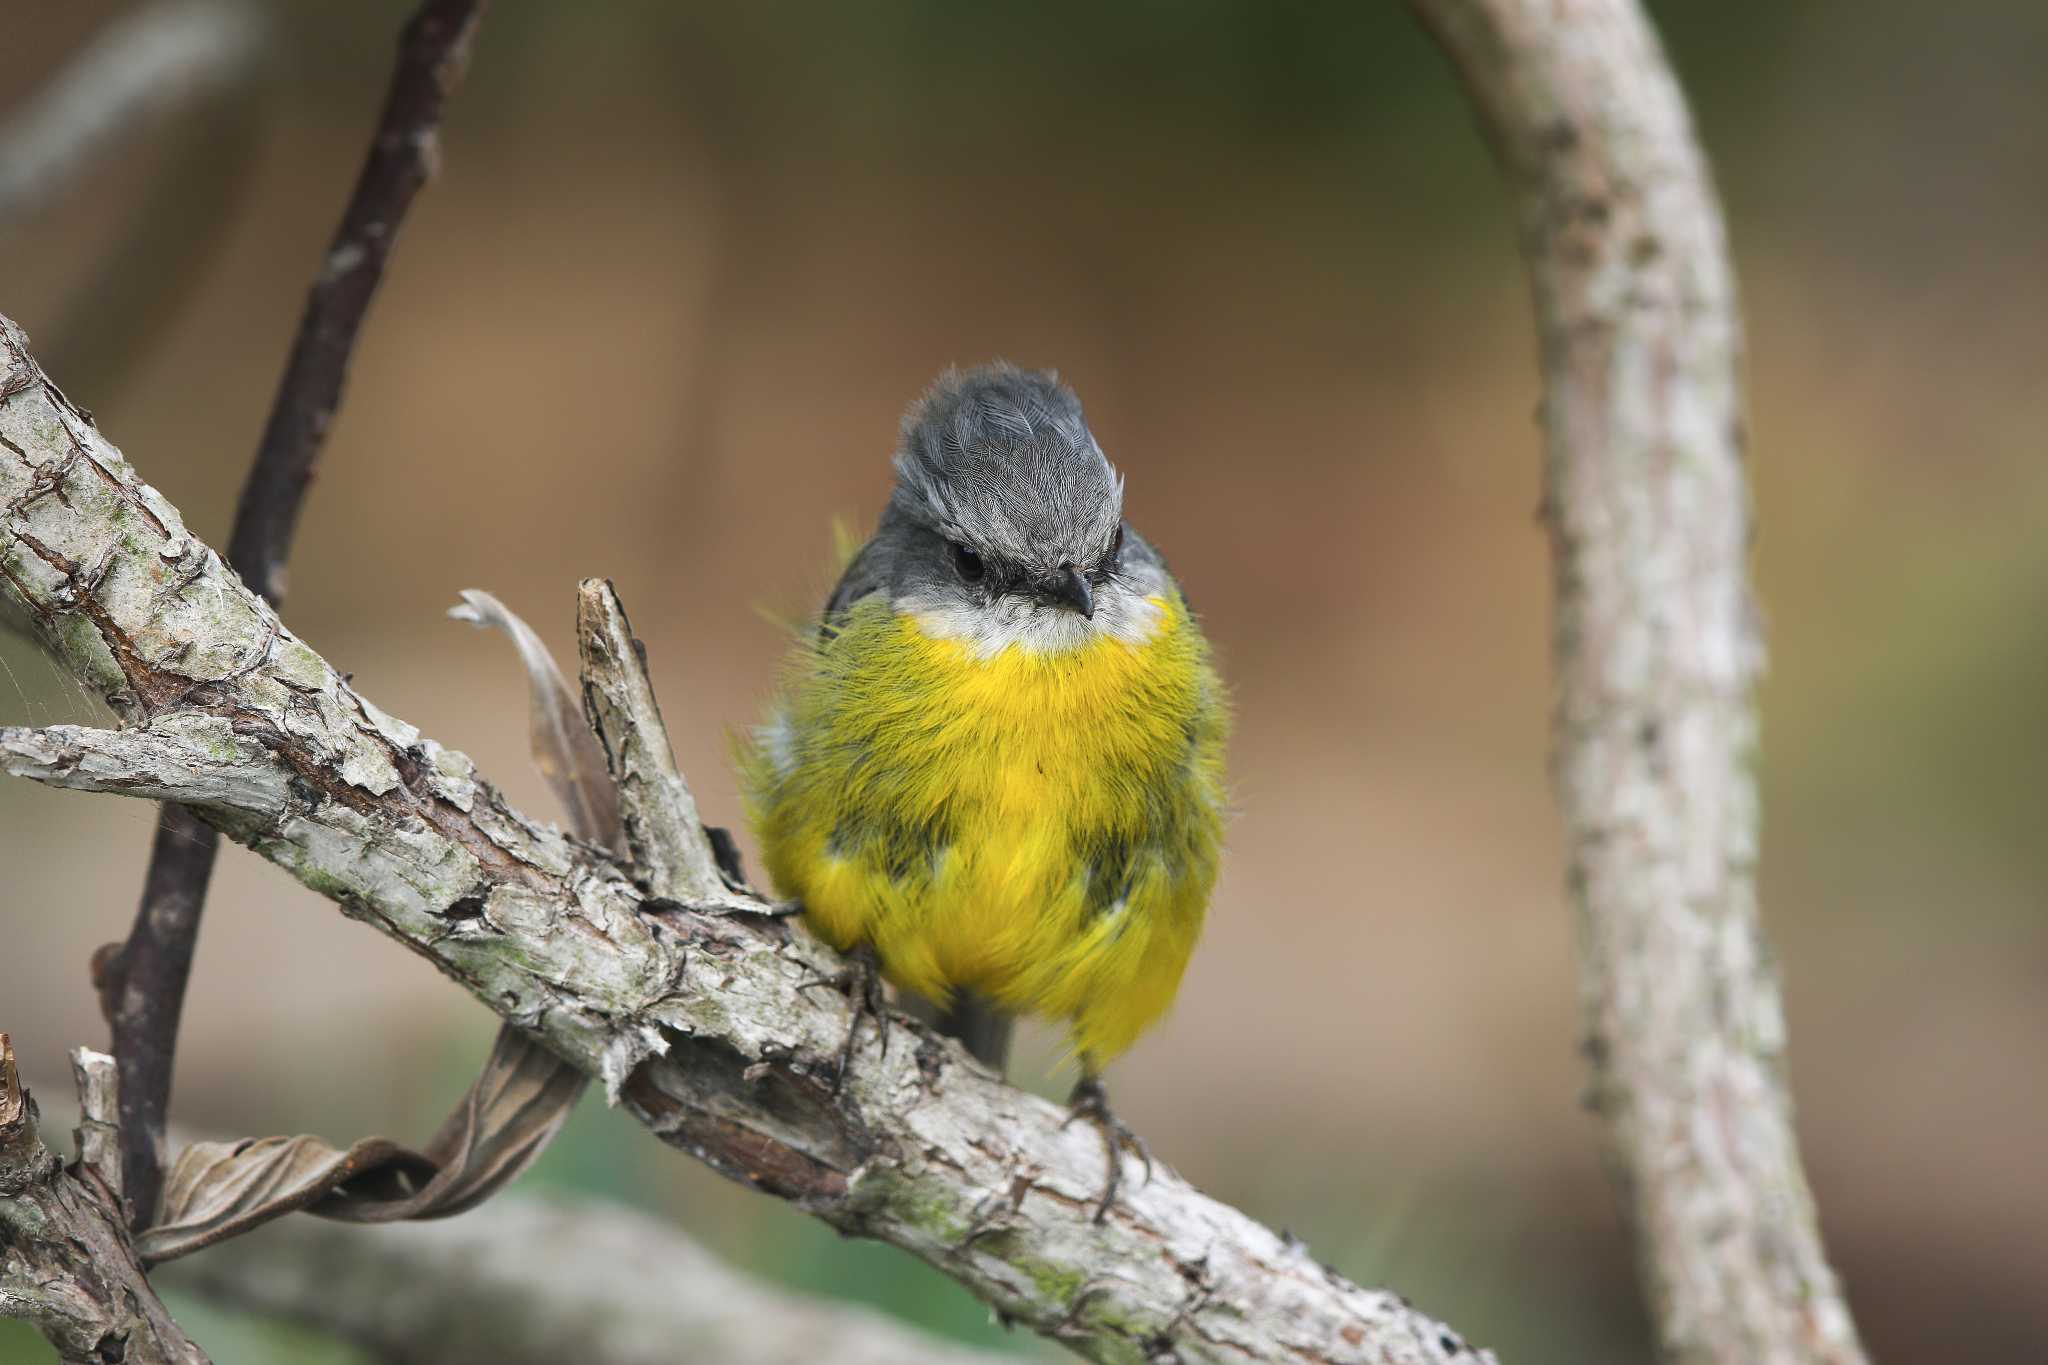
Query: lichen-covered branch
pixel 1657 656
pixel 525 1281
pixel 671 853
pixel 708 1026
pixel 67 1267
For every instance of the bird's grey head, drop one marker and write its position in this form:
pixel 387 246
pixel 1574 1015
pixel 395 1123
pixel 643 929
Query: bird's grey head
pixel 1006 524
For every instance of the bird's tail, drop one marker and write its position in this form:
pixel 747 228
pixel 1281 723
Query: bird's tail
pixel 982 1028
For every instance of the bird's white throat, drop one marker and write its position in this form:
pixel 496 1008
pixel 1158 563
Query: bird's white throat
pixel 1034 626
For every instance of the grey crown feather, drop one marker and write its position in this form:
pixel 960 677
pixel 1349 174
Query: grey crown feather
pixel 1002 459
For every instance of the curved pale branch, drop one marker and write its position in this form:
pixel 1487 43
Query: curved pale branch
pixel 145 64
pixel 707 1025
pixel 1657 656
pixel 526 1281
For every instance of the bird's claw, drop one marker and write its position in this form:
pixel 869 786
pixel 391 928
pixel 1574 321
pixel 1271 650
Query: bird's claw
pixel 1089 1101
pixel 861 982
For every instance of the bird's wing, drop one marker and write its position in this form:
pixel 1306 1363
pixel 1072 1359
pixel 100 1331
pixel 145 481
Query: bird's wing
pixel 971 1018
pixel 1139 550
pixel 862 577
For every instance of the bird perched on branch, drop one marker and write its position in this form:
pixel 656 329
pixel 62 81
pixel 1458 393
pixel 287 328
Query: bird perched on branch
pixel 996 770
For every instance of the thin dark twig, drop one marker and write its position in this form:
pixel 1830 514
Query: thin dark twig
pixel 431 56
pixel 142 990
pixel 142 983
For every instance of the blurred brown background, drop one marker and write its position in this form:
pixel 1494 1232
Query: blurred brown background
pixel 657 320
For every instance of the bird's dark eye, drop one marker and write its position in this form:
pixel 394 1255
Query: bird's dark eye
pixel 967 562
pixel 1116 547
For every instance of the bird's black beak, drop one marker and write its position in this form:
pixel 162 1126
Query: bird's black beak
pixel 1067 588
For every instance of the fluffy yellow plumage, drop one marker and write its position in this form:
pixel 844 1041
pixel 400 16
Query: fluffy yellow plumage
pixel 1038 826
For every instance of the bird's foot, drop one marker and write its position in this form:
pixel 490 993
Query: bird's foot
pixel 861 981
pixel 1091 1102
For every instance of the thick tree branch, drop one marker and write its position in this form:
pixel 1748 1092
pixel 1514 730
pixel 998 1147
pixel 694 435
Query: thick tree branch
pixel 142 981
pixel 526 1281
pixel 66 1265
pixel 1657 656
pixel 705 1024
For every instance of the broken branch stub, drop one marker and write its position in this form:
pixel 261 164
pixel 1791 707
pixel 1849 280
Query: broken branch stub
pixel 671 854
pixel 67 1267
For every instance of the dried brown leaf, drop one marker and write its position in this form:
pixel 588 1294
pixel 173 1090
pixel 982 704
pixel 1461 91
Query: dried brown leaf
pixel 564 750
pixel 218 1190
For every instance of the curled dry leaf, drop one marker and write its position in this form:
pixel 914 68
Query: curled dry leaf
pixel 564 750
pixel 218 1190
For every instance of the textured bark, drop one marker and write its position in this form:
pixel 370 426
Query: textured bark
pixel 671 854
pixel 708 1026
pixel 524 1281
pixel 98 1134
pixel 1657 656
pixel 67 1267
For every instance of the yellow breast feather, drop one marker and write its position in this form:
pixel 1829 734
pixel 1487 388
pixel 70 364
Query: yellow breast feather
pixel 1041 827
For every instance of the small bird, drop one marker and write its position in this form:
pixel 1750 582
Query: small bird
pixel 996 770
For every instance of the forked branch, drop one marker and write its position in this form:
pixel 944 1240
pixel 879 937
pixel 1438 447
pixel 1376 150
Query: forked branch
pixel 698 1019
pixel 66 1264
